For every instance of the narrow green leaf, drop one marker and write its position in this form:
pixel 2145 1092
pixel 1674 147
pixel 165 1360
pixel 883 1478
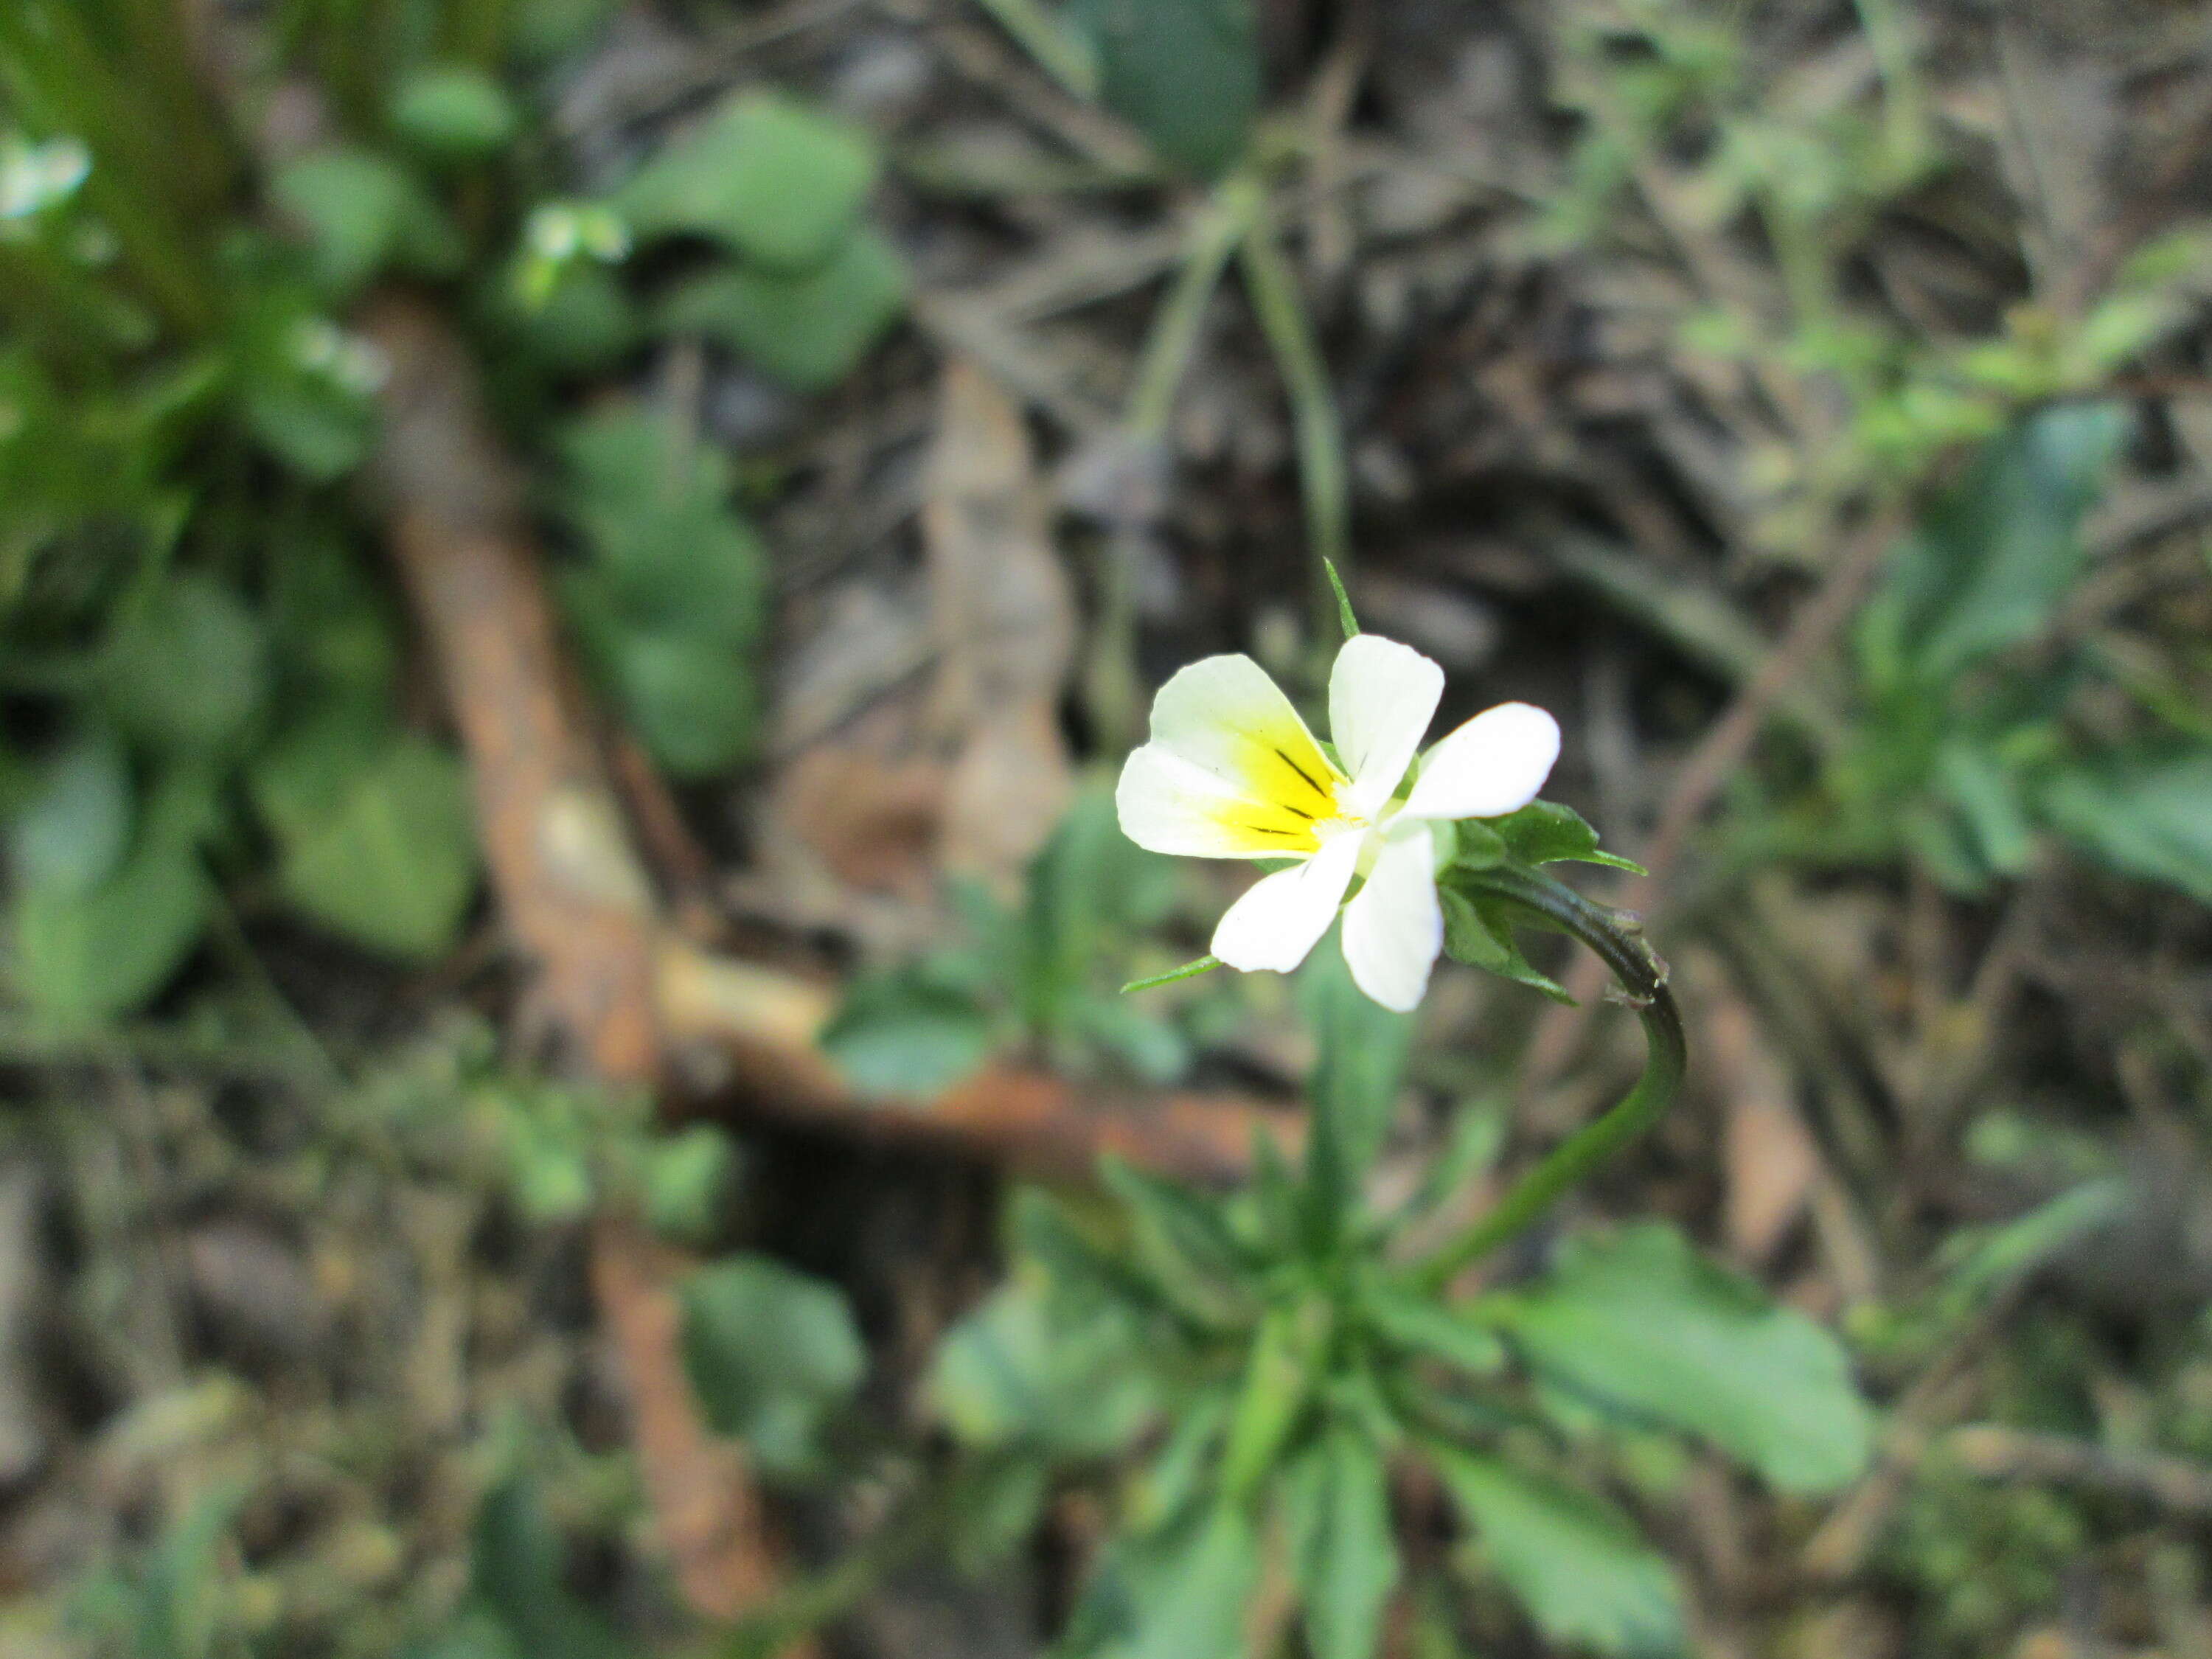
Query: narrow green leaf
pixel 1360 1062
pixel 2144 815
pixel 1993 556
pixel 1281 1376
pixel 1336 1502
pixel 1183 1244
pixel 1479 931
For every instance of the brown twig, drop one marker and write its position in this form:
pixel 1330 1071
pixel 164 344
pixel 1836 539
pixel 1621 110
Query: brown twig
pixel 571 892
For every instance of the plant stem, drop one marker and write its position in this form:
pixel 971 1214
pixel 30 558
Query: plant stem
pixel 1617 939
pixel 1321 479
pixel 1173 338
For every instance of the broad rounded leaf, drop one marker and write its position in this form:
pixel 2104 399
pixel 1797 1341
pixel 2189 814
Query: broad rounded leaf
pixel 191 672
pixel 777 180
pixel 808 329
pixel 770 1353
pixel 390 862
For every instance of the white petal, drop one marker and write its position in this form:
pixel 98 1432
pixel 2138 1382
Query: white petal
pixel 1168 804
pixel 1492 765
pixel 1224 715
pixel 1284 915
pixel 1382 696
pixel 1394 927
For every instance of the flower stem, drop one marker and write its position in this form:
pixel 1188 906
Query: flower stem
pixel 1618 938
pixel 1273 288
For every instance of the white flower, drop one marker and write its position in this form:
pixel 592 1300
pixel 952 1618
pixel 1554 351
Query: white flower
pixel 1232 773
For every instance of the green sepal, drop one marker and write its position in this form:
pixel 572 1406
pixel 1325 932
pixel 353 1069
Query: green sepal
pixel 1479 931
pixel 1544 832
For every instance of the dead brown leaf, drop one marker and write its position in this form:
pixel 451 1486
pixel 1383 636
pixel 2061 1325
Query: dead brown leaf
pixel 1771 1161
pixel 1004 618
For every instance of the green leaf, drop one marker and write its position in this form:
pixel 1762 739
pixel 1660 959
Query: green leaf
pixel 901 1034
pixel 1422 1325
pixel 695 704
pixel 191 672
pixel 1993 556
pixel 1181 1593
pixel 1479 931
pixel 1544 832
pixel 518 1570
pixel 454 113
pixel 687 1178
pixel 653 505
pixel 774 178
pixel 1360 1064
pixel 1149 1045
pixel 71 834
pixel 332 627
pixel 807 329
pixel 1185 72
pixel 771 1354
pixel 1585 1576
pixel 85 956
pixel 1182 1242
pixel 1336 1502
pixel 1083 880
pixel 1281 1373
pixel 1637 1321
pixel 2145 814
pixel 584 326
pixel 1023 1373
pixel 384 852
pixel 362 213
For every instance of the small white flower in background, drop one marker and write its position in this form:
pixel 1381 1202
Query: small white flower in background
pixel 353 365
pixel 556 235
pixel 1231 772
pixel 34 177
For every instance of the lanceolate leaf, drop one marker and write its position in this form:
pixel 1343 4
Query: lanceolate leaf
pixel 1991 559
pixel 1585 1577
pixel 2146 815
pixel 1353 1088
pixel 1336 1502
pixel 1639 1322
